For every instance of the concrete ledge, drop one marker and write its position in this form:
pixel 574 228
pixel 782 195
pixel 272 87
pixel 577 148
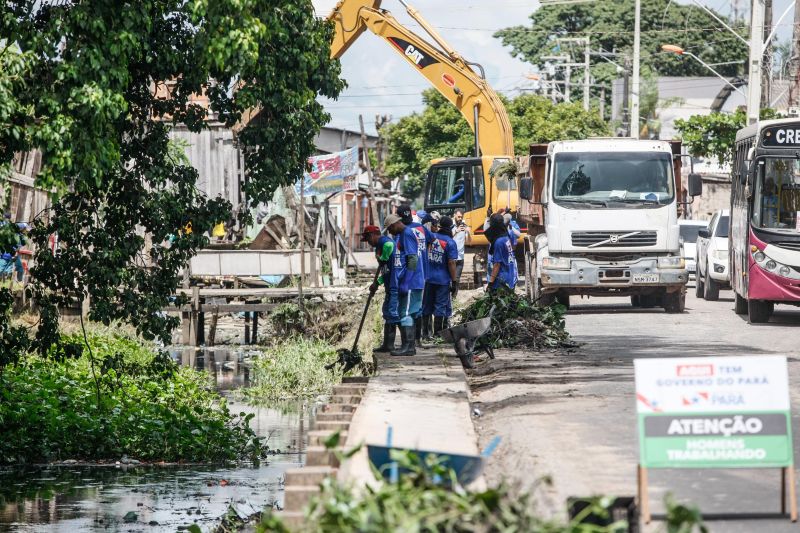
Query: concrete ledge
pixel 338 425
pixel 318 437
pixel 334 417
pixel 352 399
pixel 301 484
pixel 425 399
pixel 309 475
pixel 349 389
pixel 339 408
pixel 295 499
pixel 321 456
pixel 294 520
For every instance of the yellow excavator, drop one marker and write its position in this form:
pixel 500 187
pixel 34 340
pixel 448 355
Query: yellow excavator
pixel 473 184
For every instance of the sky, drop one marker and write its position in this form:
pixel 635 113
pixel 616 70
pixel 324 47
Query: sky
pixel 381 82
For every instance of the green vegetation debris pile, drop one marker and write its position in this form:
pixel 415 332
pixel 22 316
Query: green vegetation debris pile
pixel 518 323
pixel 294 369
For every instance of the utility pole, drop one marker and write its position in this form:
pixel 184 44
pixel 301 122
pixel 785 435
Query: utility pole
pixel 794 61
pixel 372 201
pixel 754 65
pixel 766 66
pixel 586 75
pixel 626 95
pixel 603 103
pixel 567 76
pixel 637 35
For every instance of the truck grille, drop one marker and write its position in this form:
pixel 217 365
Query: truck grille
pixel 590 239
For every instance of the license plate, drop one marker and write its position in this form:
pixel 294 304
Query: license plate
pixel 645 278
pixel 691 268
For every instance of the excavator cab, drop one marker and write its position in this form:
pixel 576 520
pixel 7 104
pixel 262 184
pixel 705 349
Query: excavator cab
pixel 469 183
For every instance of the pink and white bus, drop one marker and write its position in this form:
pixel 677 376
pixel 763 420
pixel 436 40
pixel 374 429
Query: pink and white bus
pixel 765 218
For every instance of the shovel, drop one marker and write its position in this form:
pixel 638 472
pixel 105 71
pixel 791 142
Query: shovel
pixel 352 358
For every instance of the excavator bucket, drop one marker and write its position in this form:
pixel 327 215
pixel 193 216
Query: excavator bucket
pixel 346 17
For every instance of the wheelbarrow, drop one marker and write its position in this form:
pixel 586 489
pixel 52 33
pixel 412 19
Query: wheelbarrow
pixel 468 341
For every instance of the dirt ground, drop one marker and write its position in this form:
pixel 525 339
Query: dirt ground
pixel 571 415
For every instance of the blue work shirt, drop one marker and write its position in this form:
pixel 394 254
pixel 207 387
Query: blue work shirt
pixel 406 244
pixel 503 253
pixel 424 238
pixel 442 251
pixel 458 195
pixel 389 280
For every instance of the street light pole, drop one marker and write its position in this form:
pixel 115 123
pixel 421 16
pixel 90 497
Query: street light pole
pixel 756 55
pixel 635 85
pixel 681 52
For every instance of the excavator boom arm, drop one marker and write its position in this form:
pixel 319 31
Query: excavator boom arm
pixel 447 72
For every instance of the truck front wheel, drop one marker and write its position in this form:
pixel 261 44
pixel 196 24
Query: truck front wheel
pixel 675 302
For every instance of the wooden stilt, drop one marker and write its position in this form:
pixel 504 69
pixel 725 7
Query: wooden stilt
pixel 254 336
pixel 247 327
pixel 644 499
pixel 201 329
pixel 212 329
pixel 193 316
pixel 792 493
pixel 783 490
pixel 186 326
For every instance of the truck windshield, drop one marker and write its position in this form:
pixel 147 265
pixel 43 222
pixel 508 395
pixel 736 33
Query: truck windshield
pixel 776 198
pixel 613 179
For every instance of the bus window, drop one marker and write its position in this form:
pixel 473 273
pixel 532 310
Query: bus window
pixel 776 194
pixel 447 186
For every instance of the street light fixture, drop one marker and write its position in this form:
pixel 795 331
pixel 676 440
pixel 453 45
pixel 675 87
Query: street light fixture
pixel 675 49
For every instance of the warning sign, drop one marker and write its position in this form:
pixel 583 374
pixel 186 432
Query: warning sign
pixel 713 412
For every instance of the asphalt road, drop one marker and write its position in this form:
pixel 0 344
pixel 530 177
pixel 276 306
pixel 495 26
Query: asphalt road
pixel 571 416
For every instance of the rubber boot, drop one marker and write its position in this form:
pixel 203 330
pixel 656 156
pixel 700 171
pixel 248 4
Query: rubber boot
pixel 427 328
pixel 418 332
pixel 389 335
pixel 438 325
pixel 407 347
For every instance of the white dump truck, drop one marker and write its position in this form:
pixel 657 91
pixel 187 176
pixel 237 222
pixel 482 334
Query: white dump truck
pixel 602 217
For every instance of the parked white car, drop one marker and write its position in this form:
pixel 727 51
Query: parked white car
pixel 688 234
pixel 713 272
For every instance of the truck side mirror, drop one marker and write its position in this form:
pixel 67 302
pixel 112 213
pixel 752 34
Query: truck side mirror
pixel 695 185
pixel 703 232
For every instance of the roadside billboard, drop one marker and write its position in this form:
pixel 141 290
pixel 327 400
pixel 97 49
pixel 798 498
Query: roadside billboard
pixel 331 173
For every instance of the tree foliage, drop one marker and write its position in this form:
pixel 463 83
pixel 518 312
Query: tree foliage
pixel 96 87
pixel 609 25
pixel 440 131
pixel 714 135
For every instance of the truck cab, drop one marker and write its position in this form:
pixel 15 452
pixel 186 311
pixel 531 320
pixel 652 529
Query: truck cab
pixel 608 223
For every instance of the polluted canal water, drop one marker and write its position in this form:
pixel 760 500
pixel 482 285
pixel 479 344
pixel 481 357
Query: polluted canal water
pixel 71 497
